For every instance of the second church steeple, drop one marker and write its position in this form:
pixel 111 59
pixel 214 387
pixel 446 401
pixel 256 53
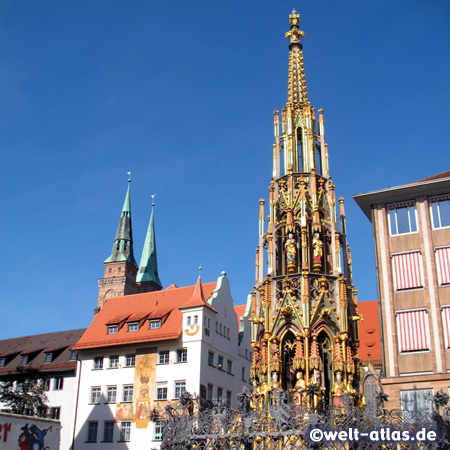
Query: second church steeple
pixel 121 277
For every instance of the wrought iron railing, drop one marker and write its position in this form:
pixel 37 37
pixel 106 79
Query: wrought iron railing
pixel 196 424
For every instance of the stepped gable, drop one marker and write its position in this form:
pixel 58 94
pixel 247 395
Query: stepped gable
pixel 369 331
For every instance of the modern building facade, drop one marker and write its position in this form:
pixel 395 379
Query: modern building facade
pixel 411 226
pixel 143 351
pixel 304 310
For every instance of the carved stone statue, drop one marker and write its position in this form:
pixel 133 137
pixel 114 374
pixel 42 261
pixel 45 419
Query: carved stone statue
pixel 291 252
pixel 317 252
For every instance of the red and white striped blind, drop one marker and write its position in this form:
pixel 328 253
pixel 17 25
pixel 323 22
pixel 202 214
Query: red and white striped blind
pixel 412 327
pixel 443 264
pixel 407 270
pixel 446 322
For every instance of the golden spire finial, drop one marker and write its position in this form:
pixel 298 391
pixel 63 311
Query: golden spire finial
pixel 297 92
pixel 295 34
pixel 294 18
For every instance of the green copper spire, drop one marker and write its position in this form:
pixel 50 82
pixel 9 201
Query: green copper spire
pixel 123 244
pixel 148 269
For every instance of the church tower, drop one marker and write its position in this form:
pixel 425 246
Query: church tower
pixel 147 277
pixel 304 308
pixel 120 267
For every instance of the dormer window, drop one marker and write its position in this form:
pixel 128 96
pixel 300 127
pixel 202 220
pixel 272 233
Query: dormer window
pixel 24 359
pixel 112 329
pixel 48 357
pixel 73 354
pixel 133 326
pixel 2 362
pixel 155 324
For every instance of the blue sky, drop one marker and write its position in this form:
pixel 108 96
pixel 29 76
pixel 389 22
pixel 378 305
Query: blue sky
pixel 182 94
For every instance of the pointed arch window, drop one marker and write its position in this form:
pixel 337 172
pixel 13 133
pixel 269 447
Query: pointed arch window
pixel 299 135
pixel 318 160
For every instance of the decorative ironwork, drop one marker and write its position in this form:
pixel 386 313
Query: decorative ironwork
pixel 210 425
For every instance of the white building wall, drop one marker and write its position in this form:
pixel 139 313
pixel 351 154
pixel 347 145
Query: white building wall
pixel 65 400
pixel 198 338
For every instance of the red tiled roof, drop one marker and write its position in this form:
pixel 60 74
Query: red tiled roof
pixel 198 297
pixel 59 343
pixel 163 304
pixel 240 311
pixel 369 331
pixel 438 176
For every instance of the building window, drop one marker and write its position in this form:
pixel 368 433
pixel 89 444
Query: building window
pixel 92 431
pixel 219 393
pixel 446 322
pixel 108 431
pixel 48 357
pixel 412 329
pixel 402 218
pixel 188 320
pixel 134 326
pixel 2 362
pixel 159 425
pixel 417 400
pixel 155 324
pixel 125 429
pixel 130 360
pixel 211 358
pixel 111 394
pixel 228 399
pixel 243 374
pixel 127 394
pixel 182 355
pixel 407 271
pixel 47 384
pixel 58 383
pixel 220 363
pixel 164 357
pixel 209 394
pixel 55 412
pixel 180 388
pixel 73 354
pixel 114 362
pixel 24 359
pixel 440 211
pixel 443 265
pixel 95 394
pixel 98 363
pixel 230 367
pixel 161 393
pixel 195 320
pixel 113 329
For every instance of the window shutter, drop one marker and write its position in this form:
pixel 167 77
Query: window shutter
pixel 443 264
pixel 412 327
pixel 407 271
pixel 446 322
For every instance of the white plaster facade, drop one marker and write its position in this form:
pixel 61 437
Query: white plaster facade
pixel 203 330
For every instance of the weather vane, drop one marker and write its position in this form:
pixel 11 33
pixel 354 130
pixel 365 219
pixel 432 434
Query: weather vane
pixel 153 199
pixel 129 176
